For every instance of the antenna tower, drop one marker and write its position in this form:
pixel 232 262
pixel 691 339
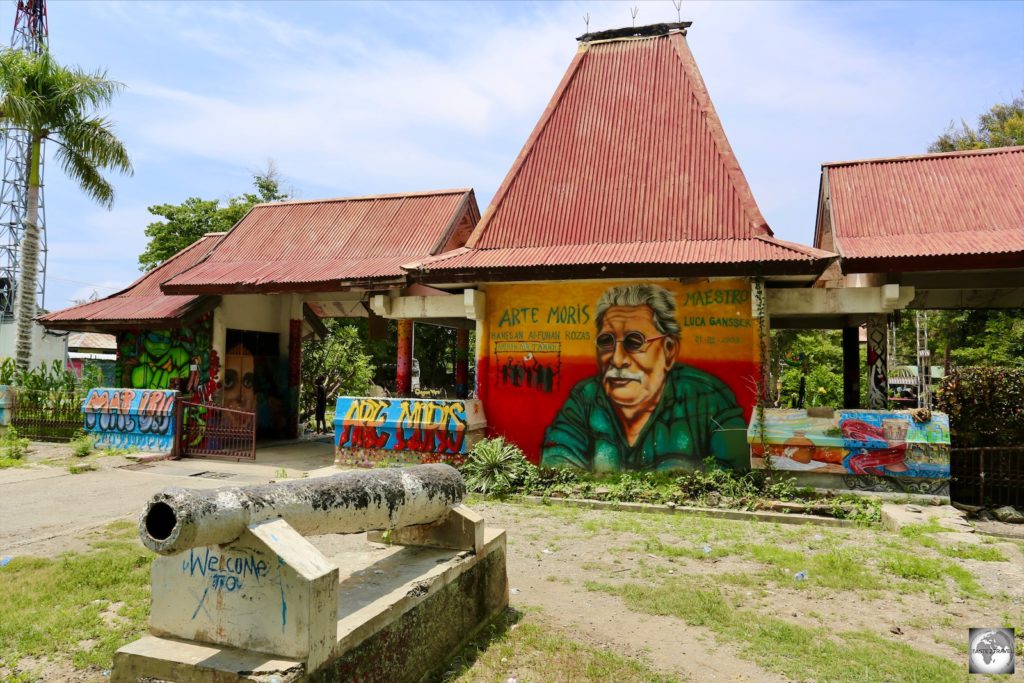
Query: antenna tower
pixel 31 35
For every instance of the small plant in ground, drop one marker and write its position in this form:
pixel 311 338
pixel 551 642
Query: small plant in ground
pixel 861 509
pixel 496 466
pixel 83 445
pixel 12 446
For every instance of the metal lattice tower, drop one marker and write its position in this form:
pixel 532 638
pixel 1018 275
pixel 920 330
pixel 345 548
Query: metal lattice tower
pixel 30 34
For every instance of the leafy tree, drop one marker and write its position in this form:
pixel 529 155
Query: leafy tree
pixel 1000 126
pixel 54 103
pixel 187 222
pixel 341 360
pixel 816 355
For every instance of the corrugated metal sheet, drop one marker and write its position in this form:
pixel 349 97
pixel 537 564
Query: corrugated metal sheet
pixel 91 340
pixel 689 252
pixel 630 149
pixel 295 245
pixel 142 301
pixel 938 205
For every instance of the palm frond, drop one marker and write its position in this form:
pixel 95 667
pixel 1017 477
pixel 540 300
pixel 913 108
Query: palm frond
pixel 80 168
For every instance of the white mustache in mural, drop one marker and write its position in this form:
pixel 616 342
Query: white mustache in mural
pixel 622 373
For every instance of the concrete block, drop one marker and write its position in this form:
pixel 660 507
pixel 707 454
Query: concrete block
pixel 461 529
pixel 270 591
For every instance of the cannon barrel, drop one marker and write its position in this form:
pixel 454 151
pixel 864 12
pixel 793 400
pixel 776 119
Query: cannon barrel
pixel 177 519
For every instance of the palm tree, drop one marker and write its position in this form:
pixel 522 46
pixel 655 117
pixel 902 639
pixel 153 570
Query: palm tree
pixel 56 103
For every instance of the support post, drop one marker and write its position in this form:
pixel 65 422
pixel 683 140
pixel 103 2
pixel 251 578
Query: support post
pixel 878 363
pixel 462 363
pixel 294 375
pixel 851 367
pixel 403 371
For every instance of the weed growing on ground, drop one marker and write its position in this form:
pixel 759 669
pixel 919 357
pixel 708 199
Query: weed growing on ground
pixel 512 647
pixel 792 650
pixel 51 607
pixel 12 447
pixel 83 445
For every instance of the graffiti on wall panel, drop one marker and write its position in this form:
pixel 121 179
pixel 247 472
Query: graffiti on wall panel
pixel 181 358
pixel 853 442
pixel 608 376
pixel 130 418
pixel 429 426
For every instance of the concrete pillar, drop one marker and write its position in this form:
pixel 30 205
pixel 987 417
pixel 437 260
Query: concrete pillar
pixel 878 368
pixel 462 363
pixel 403 372
pixel 294 375
pixel 851 367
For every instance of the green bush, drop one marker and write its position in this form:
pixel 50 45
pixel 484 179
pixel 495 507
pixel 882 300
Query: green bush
pixel 985 406
pixel 12 446
pixel 83 445
pixel 497 467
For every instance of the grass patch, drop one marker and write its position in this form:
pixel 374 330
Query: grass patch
pixel 656 546
pixel 51 606
pixel 792 650
pixel 916 568
pixel 6 462
pixel 973 551
pixel 511 647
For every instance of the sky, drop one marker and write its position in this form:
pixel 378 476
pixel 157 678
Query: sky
pixel 351 99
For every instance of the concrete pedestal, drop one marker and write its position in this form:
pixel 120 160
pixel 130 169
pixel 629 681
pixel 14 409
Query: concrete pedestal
pixel 399 610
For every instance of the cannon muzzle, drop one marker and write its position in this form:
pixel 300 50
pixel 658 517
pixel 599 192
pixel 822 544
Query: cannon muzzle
pixel 177 519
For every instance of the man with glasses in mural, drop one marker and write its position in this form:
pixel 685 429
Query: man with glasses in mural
pixel 643 411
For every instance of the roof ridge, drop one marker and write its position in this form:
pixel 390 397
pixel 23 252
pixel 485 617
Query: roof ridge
pixel 368 197
pixel 927 156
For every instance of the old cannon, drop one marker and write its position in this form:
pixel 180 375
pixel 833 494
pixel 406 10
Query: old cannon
pixel 239 593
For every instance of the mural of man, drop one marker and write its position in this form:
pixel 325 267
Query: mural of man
pixel 642 410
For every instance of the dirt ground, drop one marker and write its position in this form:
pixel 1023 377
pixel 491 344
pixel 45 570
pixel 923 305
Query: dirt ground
pixel 557 554
pixel 554 552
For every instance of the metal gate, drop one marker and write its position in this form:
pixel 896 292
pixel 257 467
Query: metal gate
pixel 207 431
pixel 987 476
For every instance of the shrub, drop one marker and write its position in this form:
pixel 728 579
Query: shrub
pixel 12 446
pixel 496 466
pixel 83 445
pixel 985 406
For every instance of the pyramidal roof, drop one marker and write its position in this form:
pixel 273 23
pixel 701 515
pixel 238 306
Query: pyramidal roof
pixel 630 156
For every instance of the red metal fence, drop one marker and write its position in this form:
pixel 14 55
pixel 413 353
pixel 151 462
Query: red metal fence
pixel 987 476
pixel 207 431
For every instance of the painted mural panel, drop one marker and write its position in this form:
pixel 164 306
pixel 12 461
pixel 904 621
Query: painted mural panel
pixel 858 442
pixel 608 376
pixel 181 359
pixel 140 419
pixel 425 430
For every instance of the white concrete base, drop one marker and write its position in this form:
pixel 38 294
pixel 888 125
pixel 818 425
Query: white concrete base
pixel 377 586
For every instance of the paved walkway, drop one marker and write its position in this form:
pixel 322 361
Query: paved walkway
pixel 45 510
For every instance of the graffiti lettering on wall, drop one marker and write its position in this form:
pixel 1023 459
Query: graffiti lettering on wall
pixel 170 359
pixel 130 418
pixel 227 570
pixel 853 442
pixel 406 424
pixel 616 376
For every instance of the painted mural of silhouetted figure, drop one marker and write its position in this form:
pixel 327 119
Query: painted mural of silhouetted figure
pixel 642 410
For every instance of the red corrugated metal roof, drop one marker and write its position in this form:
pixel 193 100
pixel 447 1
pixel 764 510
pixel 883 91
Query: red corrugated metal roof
pixel 705 253
pixel 917 212
pixel 628 164
pixel 141 303
pixel 324 244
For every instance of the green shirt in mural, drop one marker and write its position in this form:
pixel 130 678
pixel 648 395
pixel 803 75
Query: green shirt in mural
pixel 697 417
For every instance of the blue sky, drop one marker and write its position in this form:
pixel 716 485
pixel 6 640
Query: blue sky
pixel 361 98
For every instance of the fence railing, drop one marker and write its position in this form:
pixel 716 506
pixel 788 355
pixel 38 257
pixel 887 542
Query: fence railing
pixel 987 476
pixel 44 415
pixel 208 431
